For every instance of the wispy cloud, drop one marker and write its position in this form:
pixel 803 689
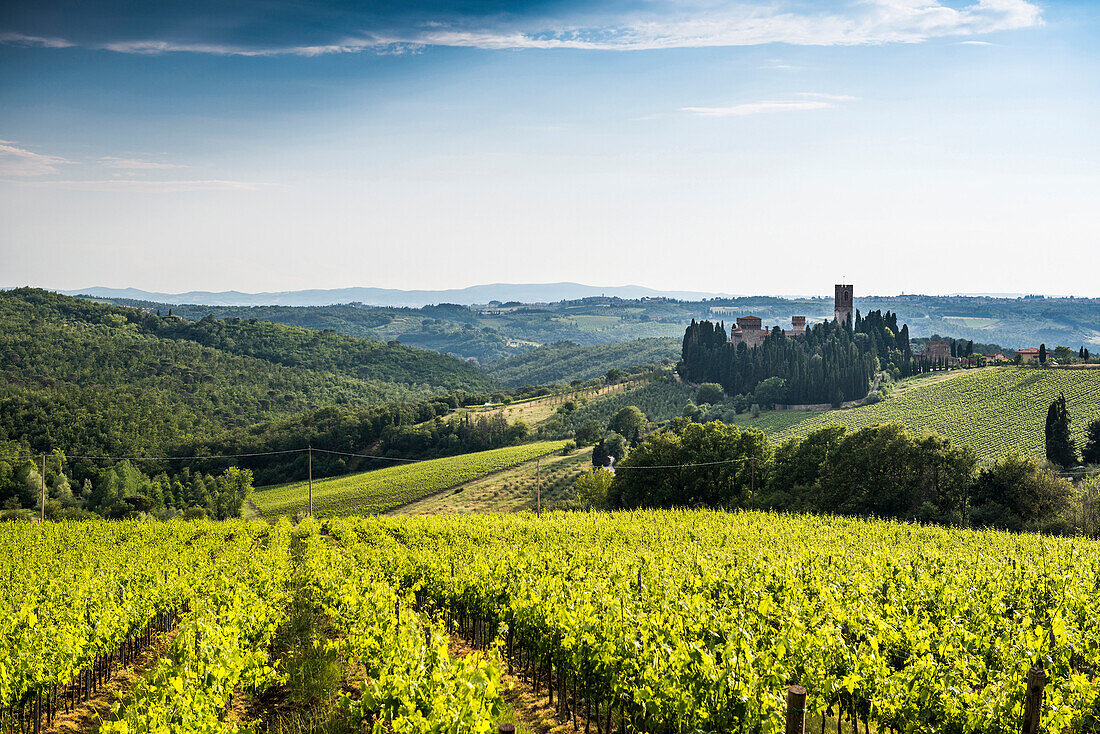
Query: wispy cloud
pixel 975 43
pixel 19 39
pixel 756 108
pixel 24 167
pixel 151 186
pixel 136 164
pixel 806 101
pixel 663 25
pixel 828 97
pixel 16 161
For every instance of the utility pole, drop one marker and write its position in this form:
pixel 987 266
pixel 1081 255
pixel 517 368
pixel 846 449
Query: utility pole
pixel 42 511
pixel 538 487
pixel 311 480
pixel 752 482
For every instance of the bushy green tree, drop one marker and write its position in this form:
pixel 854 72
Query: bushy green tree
pixel 629 423
pixel 592 487
pixel 1016 493
pixel 709 392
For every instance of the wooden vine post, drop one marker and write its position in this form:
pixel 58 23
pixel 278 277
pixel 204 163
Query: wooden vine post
pixel 1033 700
pixel 796 710
pixel 506 729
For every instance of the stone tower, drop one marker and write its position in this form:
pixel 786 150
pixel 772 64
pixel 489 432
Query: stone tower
pixel 842 304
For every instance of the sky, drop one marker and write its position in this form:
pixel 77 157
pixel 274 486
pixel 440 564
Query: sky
pixel 750 147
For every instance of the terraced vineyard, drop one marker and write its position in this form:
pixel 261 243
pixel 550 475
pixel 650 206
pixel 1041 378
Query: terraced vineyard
pixel 995 411
pixel 377 491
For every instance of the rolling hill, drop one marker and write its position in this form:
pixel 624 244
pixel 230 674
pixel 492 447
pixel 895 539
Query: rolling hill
pixel 381 490
pixel 87 377
pixel 995 410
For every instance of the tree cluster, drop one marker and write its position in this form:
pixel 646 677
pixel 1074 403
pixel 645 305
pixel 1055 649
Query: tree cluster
pixel 880 470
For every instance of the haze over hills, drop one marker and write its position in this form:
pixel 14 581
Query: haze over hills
pixel 522 292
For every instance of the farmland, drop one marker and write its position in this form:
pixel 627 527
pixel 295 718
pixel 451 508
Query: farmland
pixel 655 622
pixel 510 490
pixel 994 411
pixel 384 489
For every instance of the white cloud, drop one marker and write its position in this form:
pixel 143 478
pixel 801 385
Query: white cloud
pixel 136 164
pixel 157 187
pixel 756 108
pixel 16 161
pixel 665 26
pixel 975 43
pixel 19 39
pixel 829 97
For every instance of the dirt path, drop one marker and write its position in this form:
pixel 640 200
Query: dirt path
pixel 530 713
pixel 86 716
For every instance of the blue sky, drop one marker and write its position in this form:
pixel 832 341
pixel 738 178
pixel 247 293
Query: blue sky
pixel 745 147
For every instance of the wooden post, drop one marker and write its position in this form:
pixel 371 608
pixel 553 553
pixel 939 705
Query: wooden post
pixel 1033 700
pixel 506 729
pixel 42 511
pixel 311 480
pixel 796 710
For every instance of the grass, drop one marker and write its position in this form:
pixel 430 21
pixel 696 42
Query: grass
pixel 377 491
pixel 511 490
pixel 994 410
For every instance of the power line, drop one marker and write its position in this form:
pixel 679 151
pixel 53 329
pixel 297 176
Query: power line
pixel 214 457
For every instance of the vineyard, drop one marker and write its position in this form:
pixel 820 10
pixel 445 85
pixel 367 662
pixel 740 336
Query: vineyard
pixel 384 489
pixel 511 490
pixel 635 622
pixel 992 410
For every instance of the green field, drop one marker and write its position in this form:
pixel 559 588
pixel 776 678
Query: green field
pixel 994 410
pixel 384 489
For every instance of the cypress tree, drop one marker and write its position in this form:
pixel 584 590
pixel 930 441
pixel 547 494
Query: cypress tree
pixel 1059 446
pixel 1091 454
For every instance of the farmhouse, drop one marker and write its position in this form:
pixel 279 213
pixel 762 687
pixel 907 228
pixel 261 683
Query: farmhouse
pixel 1031 354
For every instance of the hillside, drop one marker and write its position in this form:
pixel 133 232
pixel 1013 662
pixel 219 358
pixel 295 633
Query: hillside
pixel 993 410
pixel 92 378
pixel 567 361
pixel 377 491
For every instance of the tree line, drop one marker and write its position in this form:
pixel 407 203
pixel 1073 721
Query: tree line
pixel 880 471
pixel 120 490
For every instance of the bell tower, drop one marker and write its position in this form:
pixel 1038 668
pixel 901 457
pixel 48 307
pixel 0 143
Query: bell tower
pixel 842 303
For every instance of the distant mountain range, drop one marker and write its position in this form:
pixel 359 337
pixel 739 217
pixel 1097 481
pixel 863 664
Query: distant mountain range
pixel 504 292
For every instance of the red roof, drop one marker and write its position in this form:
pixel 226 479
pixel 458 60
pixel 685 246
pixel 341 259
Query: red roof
pixel 1029 350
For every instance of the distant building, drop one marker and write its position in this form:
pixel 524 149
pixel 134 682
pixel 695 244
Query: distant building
pixel 938 351
pixel 1031 354
pixel 750 332
pixel 842 303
